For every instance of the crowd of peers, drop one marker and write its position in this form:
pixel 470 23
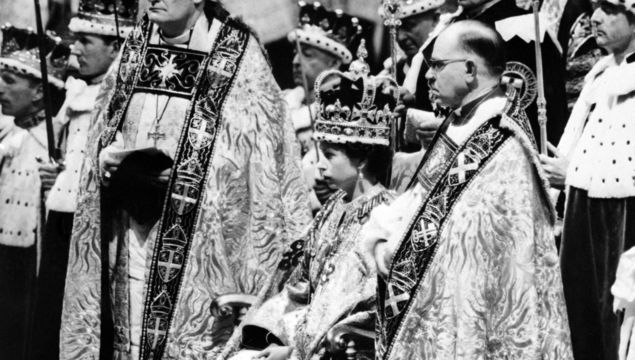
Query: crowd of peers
pixel 188 208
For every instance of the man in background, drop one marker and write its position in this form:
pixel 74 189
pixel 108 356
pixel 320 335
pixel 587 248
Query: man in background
pixel 96 47
pixel 21 203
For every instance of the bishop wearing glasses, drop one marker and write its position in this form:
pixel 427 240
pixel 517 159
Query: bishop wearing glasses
pixel 466 256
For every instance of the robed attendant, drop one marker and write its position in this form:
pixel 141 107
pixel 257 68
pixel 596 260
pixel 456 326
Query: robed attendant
pixel 195 85
pixel 467 256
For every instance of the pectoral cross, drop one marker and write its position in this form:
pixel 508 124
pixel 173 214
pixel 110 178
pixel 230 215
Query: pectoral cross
pixel 156 135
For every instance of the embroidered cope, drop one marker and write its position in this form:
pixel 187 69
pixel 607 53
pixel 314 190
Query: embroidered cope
pixel 469 267
pixel 222 230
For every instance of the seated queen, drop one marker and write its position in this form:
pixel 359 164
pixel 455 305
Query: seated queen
pixel 321 283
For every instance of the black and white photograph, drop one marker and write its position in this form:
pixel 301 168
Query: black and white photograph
pixel 317 180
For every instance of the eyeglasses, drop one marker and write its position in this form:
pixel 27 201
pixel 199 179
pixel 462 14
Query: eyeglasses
pixel 437 65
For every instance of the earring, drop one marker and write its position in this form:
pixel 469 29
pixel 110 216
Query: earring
pixel 360 179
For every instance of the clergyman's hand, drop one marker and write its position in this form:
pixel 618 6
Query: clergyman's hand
pixel 555 167
pixel 109 160
pixel 164 176
pixel 274 352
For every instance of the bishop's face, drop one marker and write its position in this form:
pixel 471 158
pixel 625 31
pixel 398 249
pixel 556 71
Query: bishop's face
pixel 446 72
pixel 172 13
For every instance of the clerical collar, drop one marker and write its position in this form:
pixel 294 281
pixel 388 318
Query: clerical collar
pixel 178 40
pixel 476 12
pixel 462 114
pixel 94 80
pixel 31 120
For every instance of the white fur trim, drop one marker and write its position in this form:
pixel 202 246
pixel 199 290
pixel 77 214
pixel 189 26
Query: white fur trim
pixel 322 42
pixel 20 68
pixel 600 144
pixel 418 7
pixel 78 25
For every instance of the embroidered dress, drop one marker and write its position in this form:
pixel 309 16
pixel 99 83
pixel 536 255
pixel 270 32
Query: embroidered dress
pixel 330 286
pixel 467 254
pixel 235 194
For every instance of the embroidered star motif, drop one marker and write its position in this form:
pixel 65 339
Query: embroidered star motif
pixel 167 70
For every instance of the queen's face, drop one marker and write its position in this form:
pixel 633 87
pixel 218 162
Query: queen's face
pixel 337 168
pixel 167 12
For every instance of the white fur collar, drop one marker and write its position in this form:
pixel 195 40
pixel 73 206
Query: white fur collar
pixel 619 76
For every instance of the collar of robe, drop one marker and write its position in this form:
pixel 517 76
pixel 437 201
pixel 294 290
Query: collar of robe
pixel 463 114
pixel 31 120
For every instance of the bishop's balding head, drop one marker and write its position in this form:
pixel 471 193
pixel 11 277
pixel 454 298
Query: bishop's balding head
pixel 468 57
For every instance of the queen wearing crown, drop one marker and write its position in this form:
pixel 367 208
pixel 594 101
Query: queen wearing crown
pixel 324 285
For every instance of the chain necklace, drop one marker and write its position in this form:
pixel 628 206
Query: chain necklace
pixel 156 134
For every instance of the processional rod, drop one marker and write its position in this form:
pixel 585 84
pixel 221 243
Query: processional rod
pixel 392 9
pixel 541 102
pixel 392 22
pixel 53 151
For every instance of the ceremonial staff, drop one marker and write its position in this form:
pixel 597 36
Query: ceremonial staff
pixel 117 23
pixel 53 151
pixel 541 102
pixel 392 8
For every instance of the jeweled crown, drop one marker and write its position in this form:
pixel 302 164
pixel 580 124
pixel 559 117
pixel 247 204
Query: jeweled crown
pixel 332 31
pixel 98 17
pixel 20 53
pixel 358 108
